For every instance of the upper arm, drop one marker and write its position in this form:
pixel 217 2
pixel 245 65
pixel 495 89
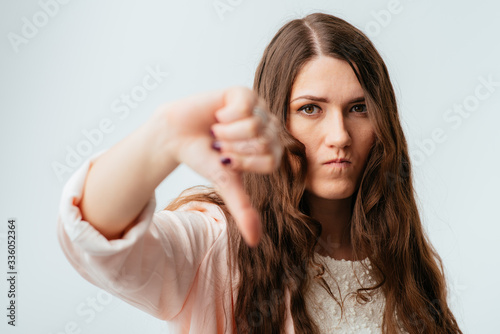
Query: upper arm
pixel 154 264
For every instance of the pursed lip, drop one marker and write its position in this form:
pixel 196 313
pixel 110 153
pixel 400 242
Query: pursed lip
pixel 336 161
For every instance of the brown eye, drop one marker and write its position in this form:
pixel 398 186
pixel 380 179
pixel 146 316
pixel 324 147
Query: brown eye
pixel 359 108
pixel 308 109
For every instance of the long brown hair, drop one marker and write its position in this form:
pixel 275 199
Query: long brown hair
pixel 385 223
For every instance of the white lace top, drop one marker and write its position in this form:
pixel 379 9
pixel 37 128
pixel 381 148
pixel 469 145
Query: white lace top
pixel 357 318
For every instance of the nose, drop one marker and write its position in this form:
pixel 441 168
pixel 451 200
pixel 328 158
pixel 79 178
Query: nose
pixel 336 130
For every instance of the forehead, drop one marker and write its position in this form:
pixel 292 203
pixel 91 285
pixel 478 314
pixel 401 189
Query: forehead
pixel 328 77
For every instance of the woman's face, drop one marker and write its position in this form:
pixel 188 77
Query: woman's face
pixel 329 116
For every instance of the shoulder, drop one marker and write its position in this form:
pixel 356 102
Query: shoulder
pixel 206 208
pixel 202 199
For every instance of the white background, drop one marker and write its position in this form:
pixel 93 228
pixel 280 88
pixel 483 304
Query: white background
pixel 66 76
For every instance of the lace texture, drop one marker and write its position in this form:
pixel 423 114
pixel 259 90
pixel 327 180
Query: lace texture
pixel 358 317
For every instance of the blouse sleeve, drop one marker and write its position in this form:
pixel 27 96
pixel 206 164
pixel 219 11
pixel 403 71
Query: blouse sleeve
pixel 154 264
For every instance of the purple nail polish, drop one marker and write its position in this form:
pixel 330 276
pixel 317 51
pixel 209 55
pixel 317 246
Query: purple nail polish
pixel 212 133
pixel 225 161
pixel 216 146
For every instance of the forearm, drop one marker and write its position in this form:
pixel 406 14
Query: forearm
pixel 121 181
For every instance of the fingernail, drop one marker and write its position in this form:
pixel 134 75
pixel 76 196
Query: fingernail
pixel 216 145
pixel 225 161
pixel 212 133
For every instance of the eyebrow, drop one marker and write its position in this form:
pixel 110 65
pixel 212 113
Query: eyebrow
pixel 325 100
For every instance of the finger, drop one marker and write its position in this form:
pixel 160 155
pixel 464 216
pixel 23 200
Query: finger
pixel 230 186
pixel 242 129
pixel 198 155
pixel 262 164
pixel 254 146
pixel 239 104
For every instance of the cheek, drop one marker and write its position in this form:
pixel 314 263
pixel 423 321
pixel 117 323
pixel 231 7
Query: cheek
pixel 311 144
pixel 302 133
pixel 293 127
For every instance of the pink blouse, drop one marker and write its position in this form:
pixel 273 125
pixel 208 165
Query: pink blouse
pixel 170 264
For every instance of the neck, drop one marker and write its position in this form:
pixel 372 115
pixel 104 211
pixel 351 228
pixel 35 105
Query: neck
pixel 334 216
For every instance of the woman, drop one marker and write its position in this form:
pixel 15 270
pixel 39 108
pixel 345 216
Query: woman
pixel 312 226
